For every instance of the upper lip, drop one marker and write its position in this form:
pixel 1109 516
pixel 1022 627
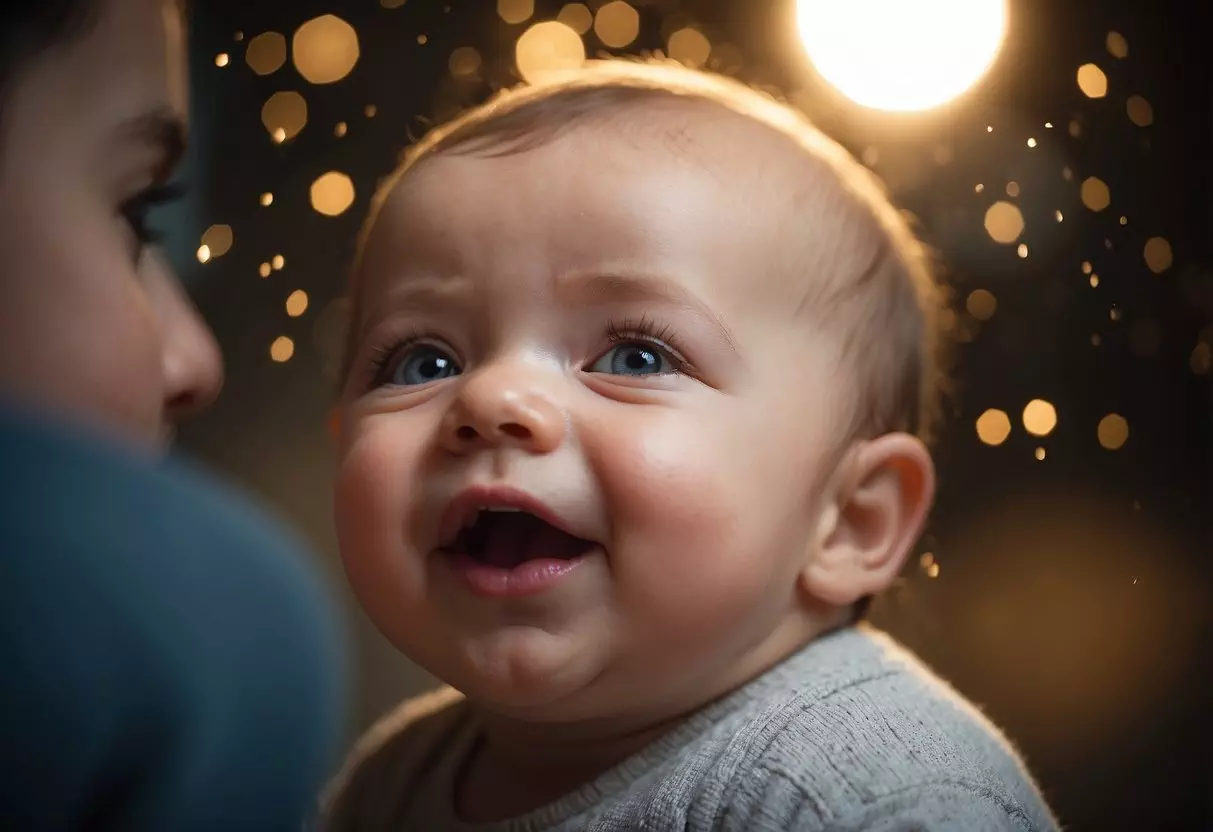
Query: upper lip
pixel 468 502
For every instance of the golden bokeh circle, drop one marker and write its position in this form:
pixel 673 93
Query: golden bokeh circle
pixel 1004 222
pixel 689 46
pixel 981 304
pixel 332 194
pixel 993 427
pixel 218 240
pixel 1113 431
pixel 577 16
pixel 464 62
pixel 266 53
pixel 284 115
pixel 547 47
pixel 1092 81
pixel 1139 110
pixel 617 24
pixel 296 303
pixel 1095 193
pixel 325 49
pixel 1118 47
pixel 515 11
pixel 1158 256
pixel 282 349
pixel 1039 417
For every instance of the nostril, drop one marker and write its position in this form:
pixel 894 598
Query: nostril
pixel 466 433
pixel 515 430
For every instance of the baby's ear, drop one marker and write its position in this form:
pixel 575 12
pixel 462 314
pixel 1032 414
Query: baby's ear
pixel 872 518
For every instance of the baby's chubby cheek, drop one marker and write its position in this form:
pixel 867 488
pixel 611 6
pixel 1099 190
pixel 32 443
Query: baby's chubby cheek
pixel 700 524
pixel 372 496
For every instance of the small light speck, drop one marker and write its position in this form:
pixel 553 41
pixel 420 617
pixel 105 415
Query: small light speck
pixel 204 253
pixel 267 199
pixel 265 269
pixel 340 130
pixel 980 187
pixel 1031 142
pixel 1114 314
pixel 1049 125
pixel 1040 453
pixel 1124 220
pixel 1012 189
pixel 370 110
pixel 1134 582
pixel 1094 280
pixel 1096 340
pixel 239 36
pixel 1086 267
pixel 223 59
pixel 423 39
pixel 279 135
pixel 933 570
pixel 990 129
pixel 278 262
pixel 1058 215
pixel 1022 251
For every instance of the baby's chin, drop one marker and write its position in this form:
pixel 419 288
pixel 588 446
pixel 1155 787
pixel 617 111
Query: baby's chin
pixel 526 673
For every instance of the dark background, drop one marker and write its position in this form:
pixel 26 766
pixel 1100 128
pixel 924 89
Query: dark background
pixel 1072 599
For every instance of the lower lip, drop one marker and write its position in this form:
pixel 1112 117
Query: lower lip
pixel 530 578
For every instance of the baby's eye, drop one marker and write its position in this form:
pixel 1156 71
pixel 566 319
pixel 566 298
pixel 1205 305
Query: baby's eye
pixel 422 364
pixel 634 359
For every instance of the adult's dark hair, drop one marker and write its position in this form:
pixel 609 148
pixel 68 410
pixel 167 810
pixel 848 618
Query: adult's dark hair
pixel 30 27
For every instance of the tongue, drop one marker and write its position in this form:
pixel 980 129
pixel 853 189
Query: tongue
pixel 514 539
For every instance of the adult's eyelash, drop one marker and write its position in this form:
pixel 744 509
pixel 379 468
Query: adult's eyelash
pixel 136 209
pixel 647 330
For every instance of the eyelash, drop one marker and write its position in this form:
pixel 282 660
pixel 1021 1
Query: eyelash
pixel 136 209
pixel 643 330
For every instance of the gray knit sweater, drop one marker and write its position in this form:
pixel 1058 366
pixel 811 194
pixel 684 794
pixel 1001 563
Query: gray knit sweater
pixel 850 733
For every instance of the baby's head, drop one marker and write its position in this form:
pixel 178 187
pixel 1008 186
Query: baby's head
pixel 686 339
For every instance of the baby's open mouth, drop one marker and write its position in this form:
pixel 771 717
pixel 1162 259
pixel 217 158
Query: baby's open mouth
pixel 508 538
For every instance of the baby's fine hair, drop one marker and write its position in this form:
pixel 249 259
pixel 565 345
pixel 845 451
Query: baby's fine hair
pixel 888 310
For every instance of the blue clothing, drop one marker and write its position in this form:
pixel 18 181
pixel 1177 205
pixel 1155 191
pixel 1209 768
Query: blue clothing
pixel 169 662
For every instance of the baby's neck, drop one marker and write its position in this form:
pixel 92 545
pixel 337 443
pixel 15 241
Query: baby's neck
pixel 519 766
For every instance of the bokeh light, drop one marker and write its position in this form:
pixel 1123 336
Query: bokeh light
pixel 1095 194
pixel 223 59
pixel 332 194
pixel 392 4
pixel 1139 110
pixel 577 16
pixel 981 304
pixel 278 262
pixel 286 112
pixel 617 24
pixel 1157 253
pixel 1118 47
pixel 266 53
pixel 204 253
pixel 217 240
pixel 1004 222
pixel 1201 360
pixel 993 427
pixel 1092 81
pixel 515 11
pixel 265 270
pixel 267 199
pixel 296 303
pixel 340 129
pixel 893 55
pixel 1022 251
pixel 548 47
pixel 282 349
pixel 325 49
pixel 1039 417
pixel 464 62
pixel 1113 431
pixel 1012 189
pixel 689 46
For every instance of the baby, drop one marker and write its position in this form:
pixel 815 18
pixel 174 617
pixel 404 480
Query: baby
pixel 628 436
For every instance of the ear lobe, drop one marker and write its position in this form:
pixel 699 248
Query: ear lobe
pixel 886 486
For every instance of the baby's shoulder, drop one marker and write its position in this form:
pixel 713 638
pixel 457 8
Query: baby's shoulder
pixel 399 748
pixel 888 748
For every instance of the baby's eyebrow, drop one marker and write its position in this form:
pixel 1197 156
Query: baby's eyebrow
pixel 643 289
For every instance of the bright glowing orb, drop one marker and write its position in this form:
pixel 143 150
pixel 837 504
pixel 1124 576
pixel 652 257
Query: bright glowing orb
pixel 902 55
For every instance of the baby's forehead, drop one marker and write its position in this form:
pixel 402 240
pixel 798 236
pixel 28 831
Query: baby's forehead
pixel 770 181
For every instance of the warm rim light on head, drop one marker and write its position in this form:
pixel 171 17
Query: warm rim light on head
pixel 902 55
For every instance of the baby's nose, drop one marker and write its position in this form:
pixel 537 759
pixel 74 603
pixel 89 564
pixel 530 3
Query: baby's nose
pixel 505 406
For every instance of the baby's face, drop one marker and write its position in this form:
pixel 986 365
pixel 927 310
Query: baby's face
pixel 584 427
